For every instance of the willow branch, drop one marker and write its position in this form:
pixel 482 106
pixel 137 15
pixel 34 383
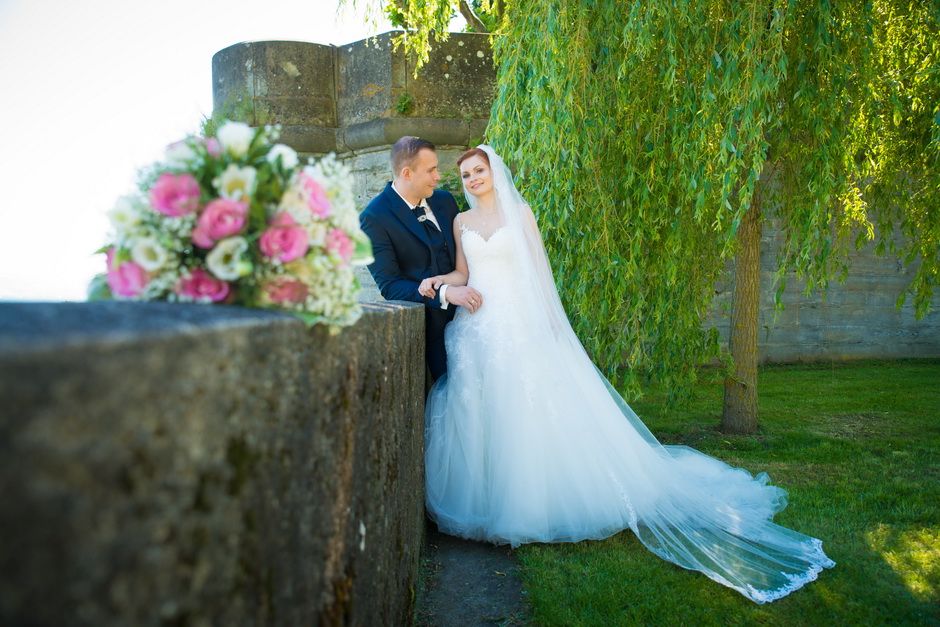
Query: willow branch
pixel 467 12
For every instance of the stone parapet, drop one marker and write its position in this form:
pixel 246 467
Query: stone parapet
pixel 287 82
pixel 205 465
pixel 361 95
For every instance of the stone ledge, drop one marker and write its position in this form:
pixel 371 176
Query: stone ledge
pixel 166 463
pixel 315 140
pixel 386 131
pixel 31 327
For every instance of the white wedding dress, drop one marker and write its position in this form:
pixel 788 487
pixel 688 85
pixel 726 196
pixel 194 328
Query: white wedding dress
pixel 526 441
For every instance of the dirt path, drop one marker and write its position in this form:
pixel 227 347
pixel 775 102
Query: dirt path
pixel 469 584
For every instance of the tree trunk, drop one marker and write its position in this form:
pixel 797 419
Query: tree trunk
pixel 740 407
pixel 475 23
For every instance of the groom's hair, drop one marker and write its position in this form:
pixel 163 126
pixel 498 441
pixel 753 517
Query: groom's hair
pixel 405 152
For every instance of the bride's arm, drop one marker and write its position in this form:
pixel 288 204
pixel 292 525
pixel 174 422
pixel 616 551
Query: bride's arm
pixel 457 278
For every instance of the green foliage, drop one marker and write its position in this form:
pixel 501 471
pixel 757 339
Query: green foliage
pixel 450 181
pixel 422 21
pixel 98 288
pixel 855 447
pixel 240 106
pixel 395 15
pixel 404 104
pixel 897 139
pixel 640 132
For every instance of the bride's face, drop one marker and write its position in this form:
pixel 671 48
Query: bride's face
pixel 476 176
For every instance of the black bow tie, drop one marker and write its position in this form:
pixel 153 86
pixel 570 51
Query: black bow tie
pixel 422 215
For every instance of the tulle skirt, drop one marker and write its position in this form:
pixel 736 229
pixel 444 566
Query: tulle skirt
pixel 527 442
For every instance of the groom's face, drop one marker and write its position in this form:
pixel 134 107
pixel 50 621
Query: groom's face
pixel 422 178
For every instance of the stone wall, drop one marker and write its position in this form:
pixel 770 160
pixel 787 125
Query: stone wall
pixel 348 100
pixel 857 319
pixel 360 98
pixel 195 465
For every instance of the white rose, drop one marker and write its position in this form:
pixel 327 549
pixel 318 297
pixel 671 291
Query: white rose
pixel 125 215
pixel 317 232
pixel 179 154
pixel 149 254
pixel 302 269
pixel 235 182
pixel 225 260
pixel 286 153
pixel 294 202
pixel 235 138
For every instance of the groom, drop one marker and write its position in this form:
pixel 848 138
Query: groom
pixel 411 228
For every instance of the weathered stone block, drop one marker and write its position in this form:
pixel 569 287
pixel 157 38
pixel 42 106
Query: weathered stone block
pixel 366 79
pixel 287 82
pixel 375 80
pixel 165 463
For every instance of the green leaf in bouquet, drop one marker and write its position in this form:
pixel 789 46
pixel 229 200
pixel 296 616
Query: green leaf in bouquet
pixel 268 186
pixel 257 216
pixel 121 255
pixel 309 319
pixel 260 145
pixel 98 289
pixel 362 253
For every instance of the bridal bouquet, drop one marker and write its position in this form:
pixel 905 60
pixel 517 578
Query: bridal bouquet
pixel 237 219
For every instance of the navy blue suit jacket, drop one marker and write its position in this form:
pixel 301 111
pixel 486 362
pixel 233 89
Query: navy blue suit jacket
pixel 404 257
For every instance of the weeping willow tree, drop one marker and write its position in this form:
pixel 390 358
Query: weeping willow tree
pixel 654 138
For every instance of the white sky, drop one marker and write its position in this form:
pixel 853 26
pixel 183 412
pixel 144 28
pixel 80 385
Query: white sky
pixel 94 89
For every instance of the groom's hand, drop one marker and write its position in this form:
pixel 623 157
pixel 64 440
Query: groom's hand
pixel 466 297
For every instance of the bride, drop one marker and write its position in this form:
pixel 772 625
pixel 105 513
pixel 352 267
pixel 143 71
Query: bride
pixel 526 441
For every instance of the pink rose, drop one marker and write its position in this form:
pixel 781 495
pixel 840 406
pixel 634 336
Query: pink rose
pixel 286 291
pixel 175 194
pixel 213 147
pixel 220 219
pixel 340 244
pixel 200 285
pixel 285 240
pixel 127 279
pixel 316 196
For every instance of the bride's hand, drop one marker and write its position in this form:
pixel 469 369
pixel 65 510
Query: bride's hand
pixel 429 286
pixel 466 297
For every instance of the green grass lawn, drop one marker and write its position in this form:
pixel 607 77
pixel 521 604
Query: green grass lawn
pixel 857 447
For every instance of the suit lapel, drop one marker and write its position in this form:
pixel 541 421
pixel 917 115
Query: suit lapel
pixel 405 215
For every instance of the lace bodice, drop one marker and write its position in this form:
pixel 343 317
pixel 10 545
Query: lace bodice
pixel 504 324
pixel 489 260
